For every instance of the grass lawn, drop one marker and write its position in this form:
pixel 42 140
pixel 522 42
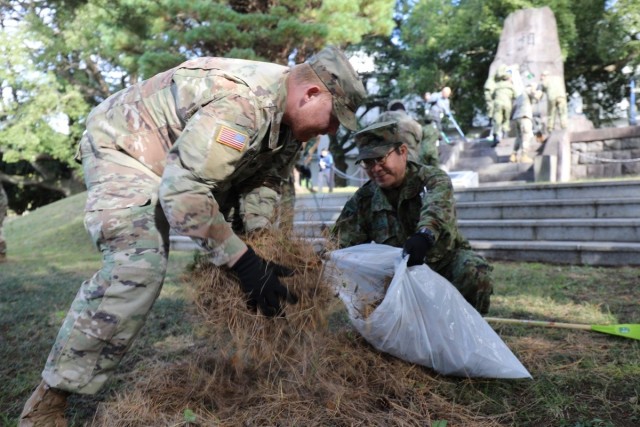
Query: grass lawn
pixel 580 378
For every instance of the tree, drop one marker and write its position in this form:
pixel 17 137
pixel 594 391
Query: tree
pixel 75 53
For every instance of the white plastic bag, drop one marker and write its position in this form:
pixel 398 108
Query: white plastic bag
pixel 422 318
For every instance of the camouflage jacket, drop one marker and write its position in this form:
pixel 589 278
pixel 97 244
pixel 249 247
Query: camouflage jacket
pixel 424 200
pixel 210 128
pixel 553 87
pixel 503 92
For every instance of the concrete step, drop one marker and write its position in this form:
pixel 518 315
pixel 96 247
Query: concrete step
pixel 566 252
pixel 593 223
pixel 582 230
pixel 521 209
pixel 549 209
pixel 506 172
pixel 474 163
pixel 550 191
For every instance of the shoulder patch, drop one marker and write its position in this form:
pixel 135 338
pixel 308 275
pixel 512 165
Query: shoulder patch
pixel 231 138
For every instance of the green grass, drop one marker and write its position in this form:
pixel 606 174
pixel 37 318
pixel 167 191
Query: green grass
pixel 580 378
pixel 49 255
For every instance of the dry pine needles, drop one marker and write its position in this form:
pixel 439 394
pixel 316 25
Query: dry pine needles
pixel 306 369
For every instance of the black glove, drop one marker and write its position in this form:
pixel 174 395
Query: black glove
pixel 259 280
pixel 417 247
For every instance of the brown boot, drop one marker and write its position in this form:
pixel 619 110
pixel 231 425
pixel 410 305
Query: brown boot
pixel 45 408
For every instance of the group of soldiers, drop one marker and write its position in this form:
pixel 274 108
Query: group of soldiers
pixel 508 98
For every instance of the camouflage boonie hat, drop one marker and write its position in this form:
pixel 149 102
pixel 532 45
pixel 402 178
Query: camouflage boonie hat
pixel 337 74
pixel 377 139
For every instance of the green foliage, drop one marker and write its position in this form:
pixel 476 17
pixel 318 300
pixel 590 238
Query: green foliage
pixel 74 54
pixel 454 43
pixel 49 255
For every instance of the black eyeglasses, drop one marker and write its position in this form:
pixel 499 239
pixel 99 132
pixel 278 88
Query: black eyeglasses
pixel 370 163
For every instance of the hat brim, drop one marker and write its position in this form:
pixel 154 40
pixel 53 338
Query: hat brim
pixel 346 117
pixel 374 152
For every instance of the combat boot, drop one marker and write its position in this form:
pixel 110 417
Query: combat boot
pixel 45 408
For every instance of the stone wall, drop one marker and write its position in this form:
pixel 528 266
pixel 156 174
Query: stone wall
pixel 588 154
pixel 605 153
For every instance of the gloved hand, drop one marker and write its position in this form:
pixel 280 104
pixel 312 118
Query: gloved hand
pixel 259 280
pixel 417 246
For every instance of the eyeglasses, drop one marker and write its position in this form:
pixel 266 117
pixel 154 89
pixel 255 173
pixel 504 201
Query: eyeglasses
pixel 370 163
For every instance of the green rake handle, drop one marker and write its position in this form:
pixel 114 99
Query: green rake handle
pixel 623 330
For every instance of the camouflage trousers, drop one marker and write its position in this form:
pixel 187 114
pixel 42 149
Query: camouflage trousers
pixel 558 107
pixel 471 275
pixel 111 307
pixel 501 119
pixel 524 136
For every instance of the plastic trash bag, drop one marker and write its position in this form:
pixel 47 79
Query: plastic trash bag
pixel 422 318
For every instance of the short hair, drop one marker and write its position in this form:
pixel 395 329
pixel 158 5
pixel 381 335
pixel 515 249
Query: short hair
pixel 304 74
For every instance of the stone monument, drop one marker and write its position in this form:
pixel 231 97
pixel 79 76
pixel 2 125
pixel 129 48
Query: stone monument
pixel 529 40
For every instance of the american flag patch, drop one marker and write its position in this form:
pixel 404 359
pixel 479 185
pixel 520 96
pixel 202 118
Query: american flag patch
pixel 231 138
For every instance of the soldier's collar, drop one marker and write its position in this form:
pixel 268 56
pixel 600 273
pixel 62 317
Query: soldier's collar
pixel 411 187
pixel 280 103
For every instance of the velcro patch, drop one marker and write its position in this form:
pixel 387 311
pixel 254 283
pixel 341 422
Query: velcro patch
pixel 231 138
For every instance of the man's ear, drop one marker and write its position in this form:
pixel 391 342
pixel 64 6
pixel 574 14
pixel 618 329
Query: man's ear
pixel 312 91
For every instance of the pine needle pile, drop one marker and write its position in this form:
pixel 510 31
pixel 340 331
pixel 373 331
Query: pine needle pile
pixel 309 368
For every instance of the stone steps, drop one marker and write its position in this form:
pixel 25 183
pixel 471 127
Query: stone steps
pixel 593 223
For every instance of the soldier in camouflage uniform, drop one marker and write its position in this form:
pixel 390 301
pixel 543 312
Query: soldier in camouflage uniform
pixel 523 115
pixel 4 207
pixel 553 87
pixel 503 96
pixel 411 206
pixel 422 141
pixel 179 150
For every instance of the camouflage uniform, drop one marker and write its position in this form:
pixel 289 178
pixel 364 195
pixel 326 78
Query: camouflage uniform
pixel 176 151
pixel 420 140
pixel 503 96
pixel 553 87
pixel 523 115
pixel 489 86
pixel 424 200
pixel 4 207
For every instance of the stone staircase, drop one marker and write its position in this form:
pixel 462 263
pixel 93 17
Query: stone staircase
pixel 595 223
pixel 491 163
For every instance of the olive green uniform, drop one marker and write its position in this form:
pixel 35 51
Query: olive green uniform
pixel 553 87
pixel 503 96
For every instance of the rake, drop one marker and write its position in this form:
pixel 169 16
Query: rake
pixel 623 330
